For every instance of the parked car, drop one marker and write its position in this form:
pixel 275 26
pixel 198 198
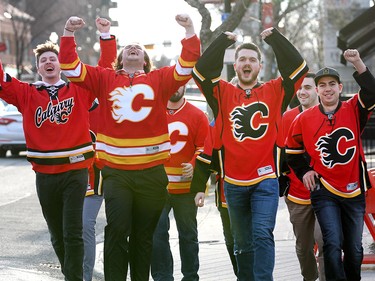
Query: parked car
pixel 198 102
pixel 3 104
pixel 195 97
pixel 12 136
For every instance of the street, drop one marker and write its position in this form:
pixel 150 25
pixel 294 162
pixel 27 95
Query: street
pixel 26 253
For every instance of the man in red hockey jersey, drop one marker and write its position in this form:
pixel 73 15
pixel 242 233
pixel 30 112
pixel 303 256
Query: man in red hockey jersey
pixel 297 198
pixel 132 143
pixel 336 174
pixel 188 128
pixel 59 148
pixel 251 112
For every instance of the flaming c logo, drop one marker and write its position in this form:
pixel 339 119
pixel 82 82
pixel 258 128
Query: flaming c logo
pixel 122 107
pixel 243 121
pixel 335 148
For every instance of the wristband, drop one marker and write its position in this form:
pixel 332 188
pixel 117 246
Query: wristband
pixel 72 31
pixel 105 35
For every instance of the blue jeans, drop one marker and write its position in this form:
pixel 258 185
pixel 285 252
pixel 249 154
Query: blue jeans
pixel 341 221
pixel 91 208
pixel 185 213
pixel 252 211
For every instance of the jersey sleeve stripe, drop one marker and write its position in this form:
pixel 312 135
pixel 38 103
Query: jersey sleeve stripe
pixel 294 151
pixel 77 74
pixel 298 70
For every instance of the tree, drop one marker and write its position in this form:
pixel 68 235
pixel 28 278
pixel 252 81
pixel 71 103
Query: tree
pixel 206 34
pixel 291 17
pixel 21 23
pixel 297 21
pixel 51 16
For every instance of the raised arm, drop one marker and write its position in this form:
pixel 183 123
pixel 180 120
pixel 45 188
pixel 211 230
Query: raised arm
pixel 291 64
pixel 210 64
pixel 185 21
pixel 180 73
pixel 11 89
pixel 73 24
pixel 76 71
pixel 366 81
pixel 207 71
pixel 191 44
pixel 103 26
pixel 108 47
pixel 289 61
pixel 352 56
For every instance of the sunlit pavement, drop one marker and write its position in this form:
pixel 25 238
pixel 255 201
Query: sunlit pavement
pixel 214 261
pixel 18 274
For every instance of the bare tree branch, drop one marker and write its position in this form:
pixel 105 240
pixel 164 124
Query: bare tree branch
pixel 231 23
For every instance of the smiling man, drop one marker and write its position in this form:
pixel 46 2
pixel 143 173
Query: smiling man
pixel 187 126
pixel 336 173
pixel 251 112
pixel 59 147
pixel 297 198
pixel 133 148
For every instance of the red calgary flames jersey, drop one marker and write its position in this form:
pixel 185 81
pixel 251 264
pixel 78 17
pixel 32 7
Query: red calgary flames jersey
pixel 133 132
pixel 188 127
pixel 333 143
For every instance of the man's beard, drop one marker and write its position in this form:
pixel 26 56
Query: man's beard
pixel 176 98
pixel 248 81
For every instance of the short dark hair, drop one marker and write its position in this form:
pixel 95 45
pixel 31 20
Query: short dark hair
pixel 48 46
pixel 248 46
pixel 310 75
pixel 146 68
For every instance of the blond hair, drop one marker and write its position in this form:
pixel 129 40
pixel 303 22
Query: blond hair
pixel 45 47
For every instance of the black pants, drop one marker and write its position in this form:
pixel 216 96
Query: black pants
pixel 229 242
pixel 61 197
pixel 133 204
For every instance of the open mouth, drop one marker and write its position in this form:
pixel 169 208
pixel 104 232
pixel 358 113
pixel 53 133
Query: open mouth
pixel 246 71
pixel 133 52
pixel 49 69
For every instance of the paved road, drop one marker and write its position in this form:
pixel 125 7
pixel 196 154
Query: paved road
pixel 26 253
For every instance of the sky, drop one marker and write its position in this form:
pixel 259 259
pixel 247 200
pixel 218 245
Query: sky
pixel 151 21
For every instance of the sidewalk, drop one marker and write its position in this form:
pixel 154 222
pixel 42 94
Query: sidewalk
pixel 214 261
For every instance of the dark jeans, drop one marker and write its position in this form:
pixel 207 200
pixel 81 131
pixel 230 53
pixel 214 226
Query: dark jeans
pixel 185 214
pixel 61 197
pixel 341 221
pixel 134 200
pixel 228 237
